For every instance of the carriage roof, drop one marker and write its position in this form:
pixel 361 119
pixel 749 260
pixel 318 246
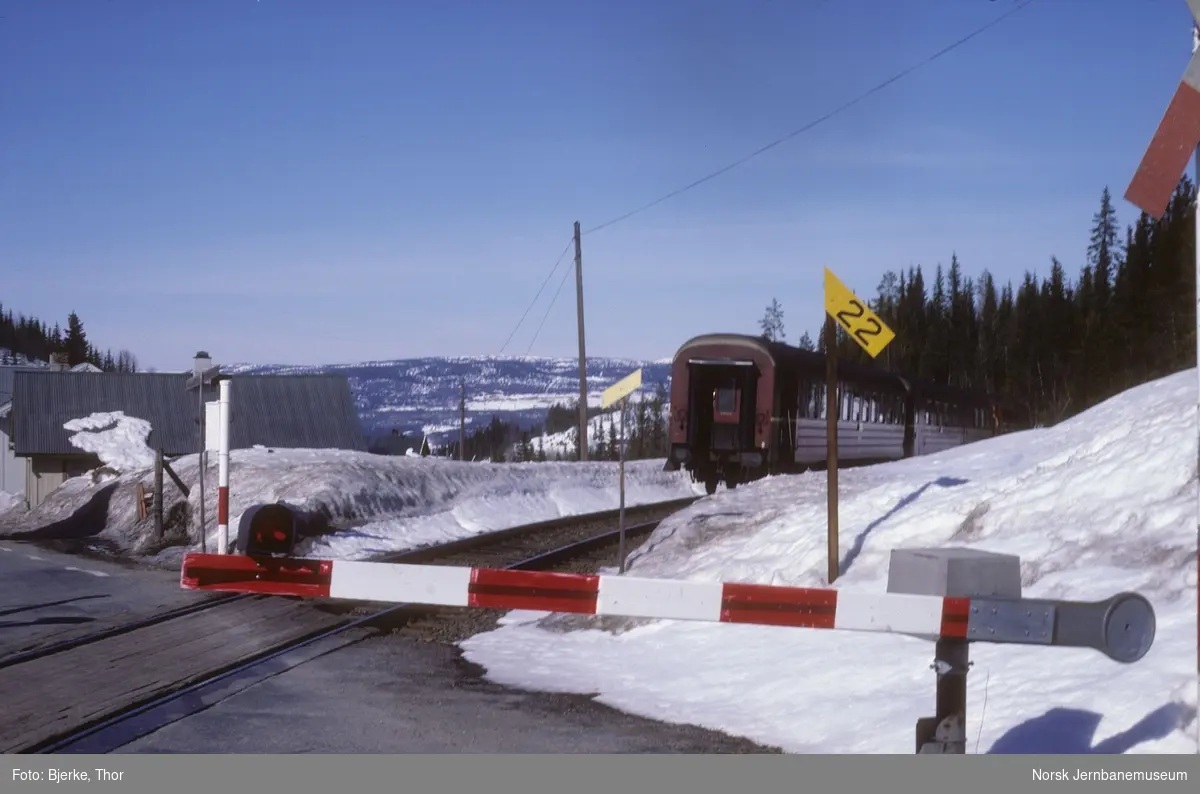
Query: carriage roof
pixel 798 361
pixel 794 360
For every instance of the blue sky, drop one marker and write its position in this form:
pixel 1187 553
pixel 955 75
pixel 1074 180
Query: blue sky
pixel 320 182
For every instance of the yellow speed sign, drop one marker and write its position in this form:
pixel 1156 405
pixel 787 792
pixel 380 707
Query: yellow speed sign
pixel 862 324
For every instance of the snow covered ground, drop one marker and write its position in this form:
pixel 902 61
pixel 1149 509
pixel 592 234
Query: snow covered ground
pixel 8 501
pixel 1102 503
pixel 455 500
pixel 382 503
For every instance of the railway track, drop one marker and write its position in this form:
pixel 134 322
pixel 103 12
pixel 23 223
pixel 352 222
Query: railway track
pixel 97 692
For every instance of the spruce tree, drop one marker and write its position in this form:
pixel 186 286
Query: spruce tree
pixel 772 322
pixel 658 423
pixel 614 448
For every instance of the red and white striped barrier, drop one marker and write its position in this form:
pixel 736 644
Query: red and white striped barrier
pixel 590 594
pixel 223 467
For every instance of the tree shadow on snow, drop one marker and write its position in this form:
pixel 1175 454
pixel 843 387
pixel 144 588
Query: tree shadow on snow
pixel 856 549
pixel 1062 730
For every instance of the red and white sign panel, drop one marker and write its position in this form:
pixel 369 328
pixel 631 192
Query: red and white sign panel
pixel 1173 143
pixel 589 594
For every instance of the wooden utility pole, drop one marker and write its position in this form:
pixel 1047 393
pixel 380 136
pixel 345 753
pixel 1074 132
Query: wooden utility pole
pixel 462 421
pixel 832 412
pixel 583 439
pixel 158 493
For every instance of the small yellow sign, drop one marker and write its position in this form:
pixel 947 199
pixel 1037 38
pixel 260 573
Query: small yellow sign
pixel 862 324
pixel 621 389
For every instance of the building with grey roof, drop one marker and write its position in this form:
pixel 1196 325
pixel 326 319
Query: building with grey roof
pixel 284 411
pixel 12 470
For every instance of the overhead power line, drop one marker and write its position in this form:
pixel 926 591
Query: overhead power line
pixel 548 308
pixel 1017 6
pixel 840 109
pixel 539 293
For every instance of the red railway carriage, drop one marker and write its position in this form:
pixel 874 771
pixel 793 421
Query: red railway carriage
pixel 722 391
pixel 743 407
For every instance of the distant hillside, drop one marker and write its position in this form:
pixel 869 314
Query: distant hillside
pixel 421 395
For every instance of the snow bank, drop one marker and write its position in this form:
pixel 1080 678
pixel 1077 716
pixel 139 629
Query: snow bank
pixel 378 503
pixel 9 501
pixel 118 440
pixel 1102 503
pixel 455 500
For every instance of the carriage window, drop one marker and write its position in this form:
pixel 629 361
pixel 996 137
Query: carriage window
pixel 726 401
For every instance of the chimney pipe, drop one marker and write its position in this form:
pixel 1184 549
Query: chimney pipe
pixel 201 362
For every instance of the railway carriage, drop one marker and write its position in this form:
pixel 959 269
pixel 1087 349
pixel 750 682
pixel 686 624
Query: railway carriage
pixel 743 407
pixel 946 417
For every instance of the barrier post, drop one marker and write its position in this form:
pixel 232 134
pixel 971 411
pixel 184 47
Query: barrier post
pixel 621 521
pixel 951 573
pixel 223 470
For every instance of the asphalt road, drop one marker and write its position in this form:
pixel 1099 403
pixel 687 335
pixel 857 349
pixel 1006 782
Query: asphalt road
pixel 47 596
pixel 397 695
pixel 385 694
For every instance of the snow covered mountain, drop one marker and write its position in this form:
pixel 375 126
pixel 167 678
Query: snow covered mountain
pixel 422 394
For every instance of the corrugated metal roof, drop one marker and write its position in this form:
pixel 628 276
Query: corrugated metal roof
pixel 288 411
pixel 6 379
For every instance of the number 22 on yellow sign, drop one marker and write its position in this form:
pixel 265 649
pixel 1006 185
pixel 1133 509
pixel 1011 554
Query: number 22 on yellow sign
pixel 862 324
